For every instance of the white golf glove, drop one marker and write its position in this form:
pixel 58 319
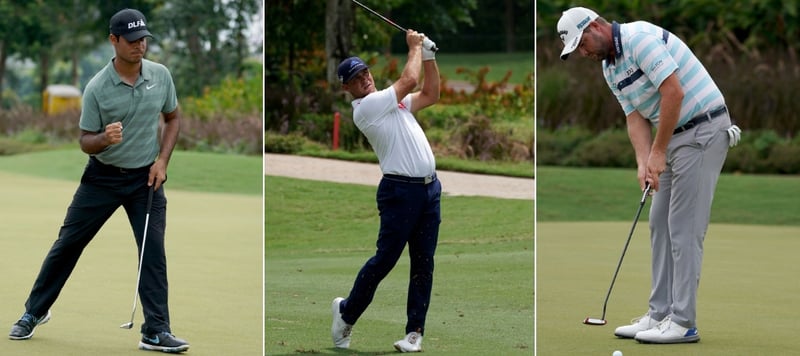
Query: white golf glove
pixel 428 54
pixel 734 135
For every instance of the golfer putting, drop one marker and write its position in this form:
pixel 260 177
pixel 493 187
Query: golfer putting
pixel 408 196
pixel 661 84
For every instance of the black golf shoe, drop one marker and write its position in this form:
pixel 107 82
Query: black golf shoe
pixel 164 342
pixel 24 327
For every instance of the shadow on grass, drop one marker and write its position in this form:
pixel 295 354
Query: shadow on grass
pixel 335 351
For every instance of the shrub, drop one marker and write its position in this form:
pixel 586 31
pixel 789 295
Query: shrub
pixel 553 147
pixel 785 159
pixel 477 139
pixel 288 144
pixel 612 148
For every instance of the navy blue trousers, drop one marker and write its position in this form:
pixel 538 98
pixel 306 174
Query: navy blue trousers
pixel 410 214
pixel 102 190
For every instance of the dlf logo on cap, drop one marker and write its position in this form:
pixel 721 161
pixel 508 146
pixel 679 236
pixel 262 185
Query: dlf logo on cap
pixel 129 23
pixel 571 26
pixel 136 24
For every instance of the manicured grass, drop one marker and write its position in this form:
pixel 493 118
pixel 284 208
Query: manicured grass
pixel 519 63
pixel 318 235
pixel 214 251
pixel 744 303
pixel 599 194
pixel 190 171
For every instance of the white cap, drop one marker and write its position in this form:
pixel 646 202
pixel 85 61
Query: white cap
pixel 571 26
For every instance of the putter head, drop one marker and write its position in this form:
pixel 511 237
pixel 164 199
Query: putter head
pixel 128 325
pixel 593 321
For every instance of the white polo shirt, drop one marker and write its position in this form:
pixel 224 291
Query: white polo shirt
pixel 396 137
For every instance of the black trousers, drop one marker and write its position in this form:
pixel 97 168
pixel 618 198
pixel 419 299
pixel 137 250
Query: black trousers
pixel 102 190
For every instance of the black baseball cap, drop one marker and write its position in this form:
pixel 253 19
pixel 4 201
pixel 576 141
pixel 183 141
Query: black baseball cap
pixel 349 68
pixel 129 23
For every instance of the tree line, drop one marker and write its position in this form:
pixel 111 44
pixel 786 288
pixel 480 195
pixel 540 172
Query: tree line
pixel 201 41
pixel 750 47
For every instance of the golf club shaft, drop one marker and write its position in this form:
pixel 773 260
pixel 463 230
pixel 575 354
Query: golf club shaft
pixel 381 16
pixel 141 256
pixel 627 242
pixel 401 28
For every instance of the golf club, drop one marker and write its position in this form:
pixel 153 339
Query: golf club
pixel 129 325
pixel 430 45
pixel 602 320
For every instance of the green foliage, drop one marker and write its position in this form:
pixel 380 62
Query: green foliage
pixel 555 147
pixel 31 136
pixel 758 151
pixel 275 143
pixel 749 47
pixel 610 148
pixel 231 99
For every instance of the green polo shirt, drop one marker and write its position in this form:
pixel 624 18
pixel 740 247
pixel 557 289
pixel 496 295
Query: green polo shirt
pixel 107 99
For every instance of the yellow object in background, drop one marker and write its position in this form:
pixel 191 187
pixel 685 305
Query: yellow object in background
pixel 58 98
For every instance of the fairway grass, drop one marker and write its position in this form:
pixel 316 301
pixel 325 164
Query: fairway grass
pixel 188 171
pixel 214 255
pixel 746 300
pixel 318 235
pixel 611 194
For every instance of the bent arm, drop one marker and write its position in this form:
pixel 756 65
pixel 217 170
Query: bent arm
pixel 411 72
pixel 671 101
pixel 96 142
pixel 429 94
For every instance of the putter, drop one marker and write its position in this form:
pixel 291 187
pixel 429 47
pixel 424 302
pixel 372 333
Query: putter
pixel 129 325
pixel 431 45
pixel 602 320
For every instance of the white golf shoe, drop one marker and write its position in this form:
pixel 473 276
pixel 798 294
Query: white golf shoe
pixel 340 330
pixel 668 332
pixel 642 323
pixel 411 343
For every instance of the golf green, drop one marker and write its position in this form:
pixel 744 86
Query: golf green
pixel 214 253
pixel 745 303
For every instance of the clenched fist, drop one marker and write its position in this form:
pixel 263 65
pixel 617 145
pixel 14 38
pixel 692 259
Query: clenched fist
pixel 113 133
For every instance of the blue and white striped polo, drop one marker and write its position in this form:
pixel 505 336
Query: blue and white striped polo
pixel 645 56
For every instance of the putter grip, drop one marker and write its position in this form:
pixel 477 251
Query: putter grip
pixel 149 198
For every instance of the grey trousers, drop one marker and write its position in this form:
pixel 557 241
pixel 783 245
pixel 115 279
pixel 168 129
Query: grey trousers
pixel 679 216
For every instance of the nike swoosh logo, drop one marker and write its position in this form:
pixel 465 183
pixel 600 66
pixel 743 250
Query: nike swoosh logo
pixel 152 341
pixel 150 86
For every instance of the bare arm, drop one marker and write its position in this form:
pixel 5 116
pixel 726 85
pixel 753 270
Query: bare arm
pixel 411 72
pixel 429 94
pixel 671 100
pixel 169 137
pixel 96 142
pixel 641 136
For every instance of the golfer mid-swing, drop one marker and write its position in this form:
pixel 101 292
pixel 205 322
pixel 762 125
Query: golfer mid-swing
pixel 408 195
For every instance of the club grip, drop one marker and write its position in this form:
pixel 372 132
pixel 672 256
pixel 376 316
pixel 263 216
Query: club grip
pixel 429 45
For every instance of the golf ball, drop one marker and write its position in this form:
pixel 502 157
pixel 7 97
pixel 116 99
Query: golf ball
pixel 617 353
